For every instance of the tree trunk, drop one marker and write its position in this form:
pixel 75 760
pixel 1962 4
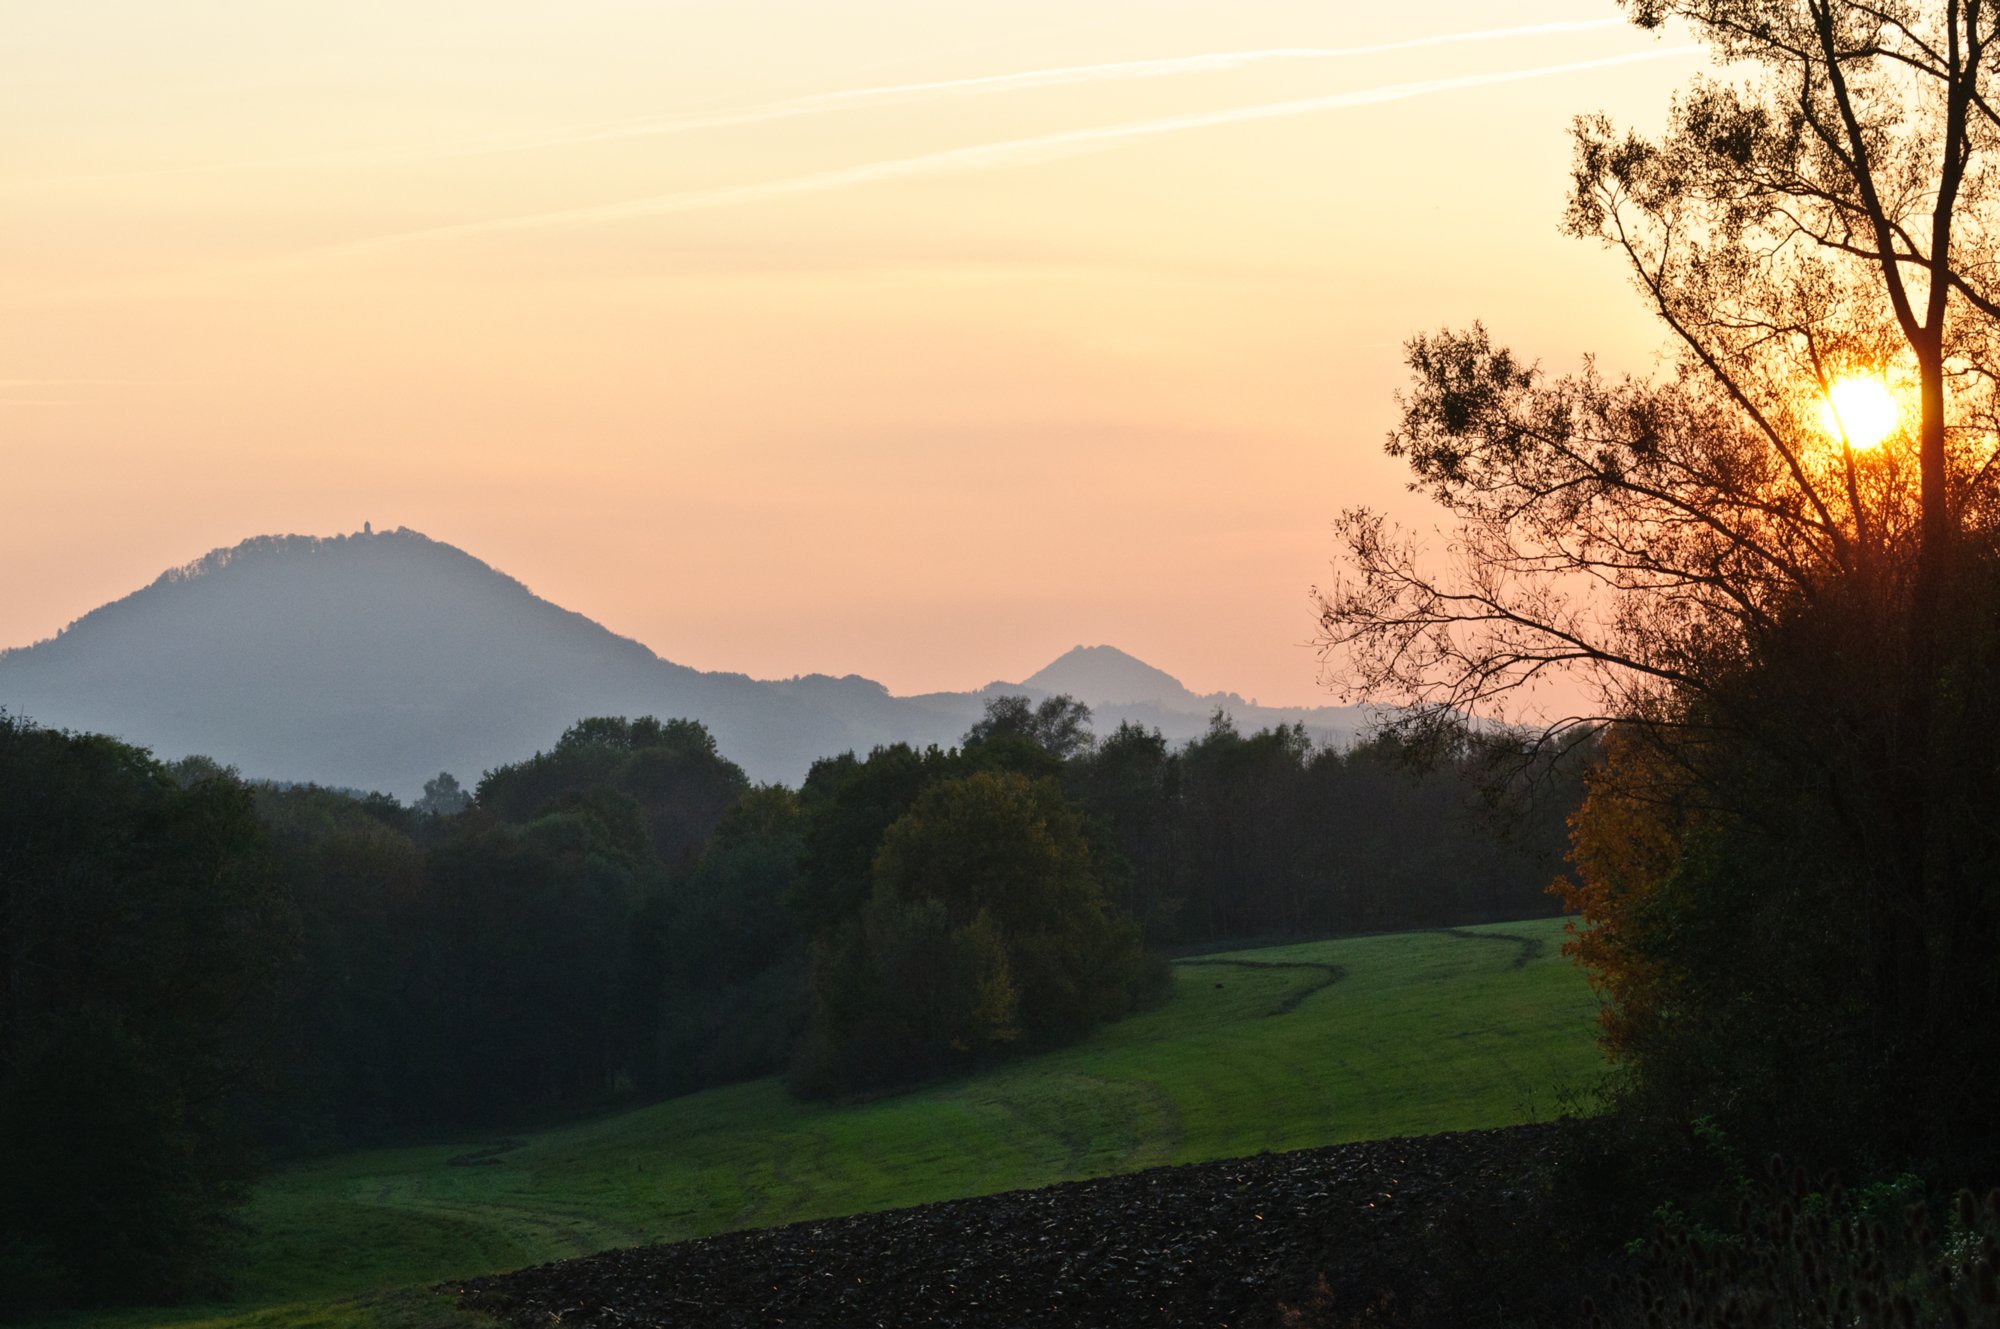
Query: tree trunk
pixel 1937 532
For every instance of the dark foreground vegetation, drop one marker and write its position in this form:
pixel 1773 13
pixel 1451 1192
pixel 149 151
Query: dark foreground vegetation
pixel 1393 1227
pixel 1789 867
pixel 1254 1051
pixel 1501 1227
pixel 202 974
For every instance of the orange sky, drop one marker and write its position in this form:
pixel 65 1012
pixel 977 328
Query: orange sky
pixel 754 331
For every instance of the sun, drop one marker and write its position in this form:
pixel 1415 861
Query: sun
pixel 1861 410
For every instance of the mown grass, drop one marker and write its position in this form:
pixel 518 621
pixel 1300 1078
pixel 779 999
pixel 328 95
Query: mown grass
pixel 1421 1032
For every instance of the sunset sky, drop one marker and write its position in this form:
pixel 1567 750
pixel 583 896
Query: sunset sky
pixel 920 340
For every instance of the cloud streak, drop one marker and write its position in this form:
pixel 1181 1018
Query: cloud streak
pixel 895 94
pixel 1031 80
pixel 9 386
pixel 1019 152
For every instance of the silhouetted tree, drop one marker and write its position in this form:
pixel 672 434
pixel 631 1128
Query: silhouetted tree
pixel 1013 850
pixel 1131 784
pixel 848 804
pixel 358 882
pixel 141 934
pixel 671 770
pixel 516 979
pixel 718 972
pixel 1059 725
pixel 1792 620
pixel 983 923
pixel 443 797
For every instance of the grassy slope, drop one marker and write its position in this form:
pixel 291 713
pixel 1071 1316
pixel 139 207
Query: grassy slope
pixel 1424 1032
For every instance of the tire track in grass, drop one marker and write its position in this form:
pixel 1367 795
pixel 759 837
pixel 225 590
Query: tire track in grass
pixel 1327 976
pixel 1530 947
pixel 1150 1148
pixel 1063 1124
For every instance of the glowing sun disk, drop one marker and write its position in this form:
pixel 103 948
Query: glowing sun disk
pixel 1861 410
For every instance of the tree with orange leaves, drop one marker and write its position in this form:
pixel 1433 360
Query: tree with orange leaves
pixel 1625 848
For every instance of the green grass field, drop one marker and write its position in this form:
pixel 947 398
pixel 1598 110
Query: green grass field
pixel 1256 1050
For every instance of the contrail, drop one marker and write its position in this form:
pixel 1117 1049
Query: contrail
pixel 1011 152
pixel 887 95
pixel 1029 80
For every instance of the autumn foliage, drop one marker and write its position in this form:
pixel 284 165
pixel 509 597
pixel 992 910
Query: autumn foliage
pixel 1624 847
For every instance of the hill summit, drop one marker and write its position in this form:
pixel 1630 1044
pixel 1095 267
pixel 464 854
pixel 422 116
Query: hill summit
pixel 375 659
pixel 1105 675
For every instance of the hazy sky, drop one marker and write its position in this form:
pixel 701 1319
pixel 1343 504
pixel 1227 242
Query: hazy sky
pixel 921 340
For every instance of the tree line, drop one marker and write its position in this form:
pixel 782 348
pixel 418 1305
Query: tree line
pixel 197 971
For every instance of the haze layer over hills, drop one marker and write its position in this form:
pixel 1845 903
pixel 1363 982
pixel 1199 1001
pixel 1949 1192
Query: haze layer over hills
pixel 375 660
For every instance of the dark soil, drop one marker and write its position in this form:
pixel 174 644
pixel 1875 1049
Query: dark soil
pixel 1441 1230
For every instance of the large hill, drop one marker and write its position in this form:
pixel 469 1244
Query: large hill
pixel 377 659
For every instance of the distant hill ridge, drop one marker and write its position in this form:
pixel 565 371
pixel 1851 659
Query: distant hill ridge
pixel 1104 674
pixel 376 659
pixel 263 552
